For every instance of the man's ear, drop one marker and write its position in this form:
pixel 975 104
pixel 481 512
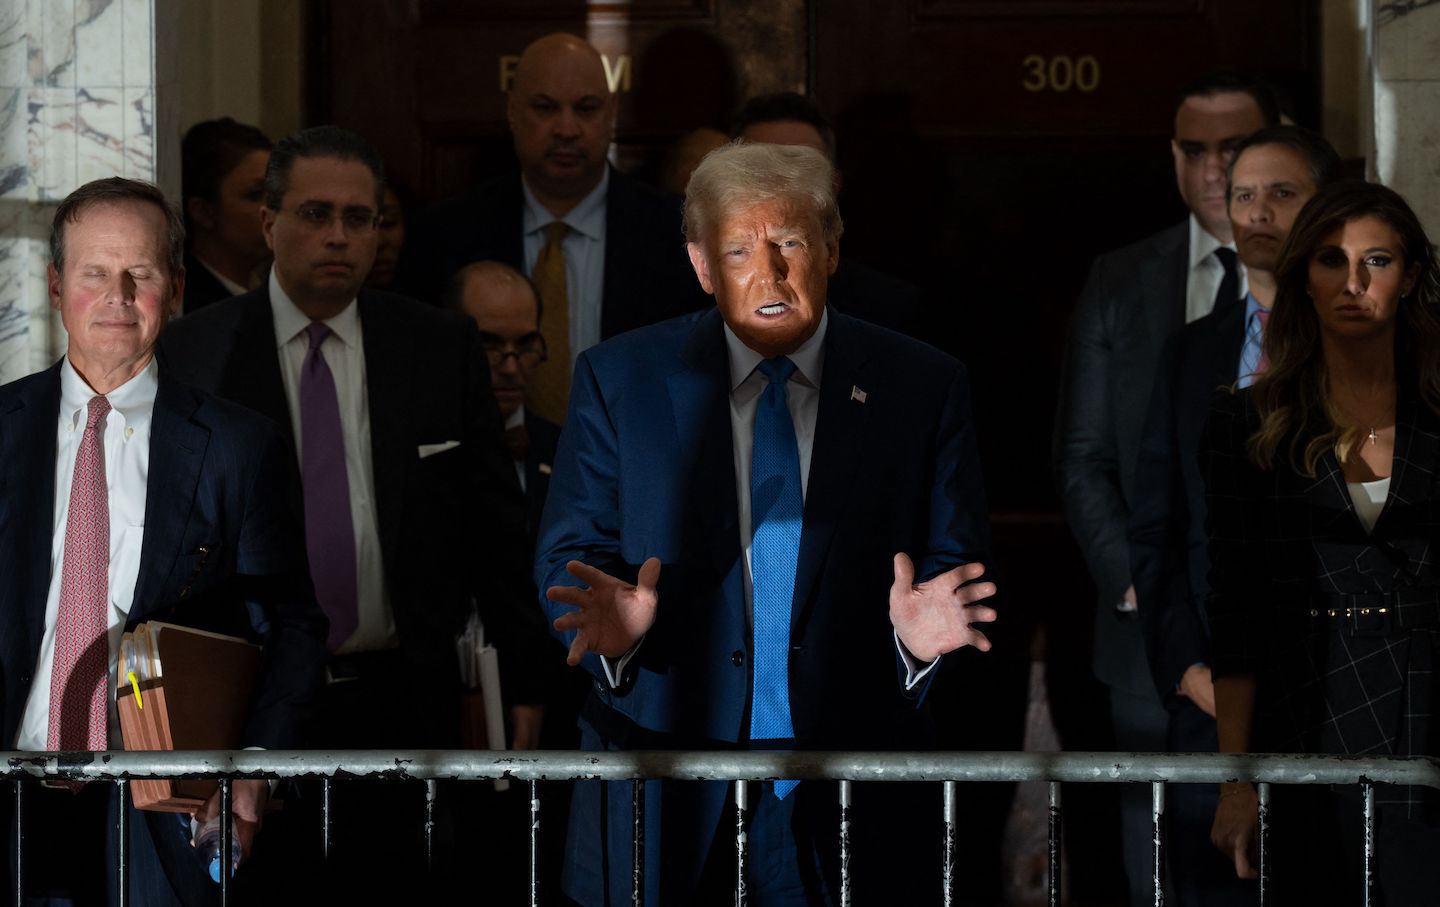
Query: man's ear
pixel 52 280
pixel 832 249
pixel 267 226
pixel 701 264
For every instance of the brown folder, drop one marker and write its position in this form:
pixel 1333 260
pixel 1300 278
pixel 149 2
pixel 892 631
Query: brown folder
pixel 195 689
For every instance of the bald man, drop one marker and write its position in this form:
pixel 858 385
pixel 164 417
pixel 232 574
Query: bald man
pixel 605 250
pixel 505 306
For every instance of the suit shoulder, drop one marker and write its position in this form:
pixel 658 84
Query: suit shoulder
pixel 892 346
pixel 1166 244
pixel 14 392
pixel 414 314
pixel 647 343
pixel 215 319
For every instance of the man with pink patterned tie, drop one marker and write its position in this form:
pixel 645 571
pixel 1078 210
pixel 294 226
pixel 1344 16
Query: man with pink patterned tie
pixel 127 496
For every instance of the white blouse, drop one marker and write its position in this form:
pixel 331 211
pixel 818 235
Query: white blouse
pixel 1369 500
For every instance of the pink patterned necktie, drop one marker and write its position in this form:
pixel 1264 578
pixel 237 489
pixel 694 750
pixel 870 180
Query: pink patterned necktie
pixel 78 679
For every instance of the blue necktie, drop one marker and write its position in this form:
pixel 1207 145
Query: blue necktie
pixel 775 519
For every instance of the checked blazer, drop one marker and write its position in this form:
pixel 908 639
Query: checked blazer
pixel 1286 549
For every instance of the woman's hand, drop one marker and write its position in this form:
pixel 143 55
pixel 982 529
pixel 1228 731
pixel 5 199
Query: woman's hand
pixel 1236 827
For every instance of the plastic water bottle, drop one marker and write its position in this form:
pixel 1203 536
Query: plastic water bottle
pixel 207 842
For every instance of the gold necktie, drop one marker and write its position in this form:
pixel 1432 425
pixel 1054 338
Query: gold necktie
pixel 550 382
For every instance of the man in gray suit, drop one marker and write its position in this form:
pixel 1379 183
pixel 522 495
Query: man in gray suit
pixel 1134 299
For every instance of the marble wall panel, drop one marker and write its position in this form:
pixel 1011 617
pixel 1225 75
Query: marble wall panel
pixel 1407 148
pixel 1407 40
pixel 14 47
pixel 101 45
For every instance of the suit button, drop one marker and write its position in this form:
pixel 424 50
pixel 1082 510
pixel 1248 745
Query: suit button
pixel 599 685
pixel 737 658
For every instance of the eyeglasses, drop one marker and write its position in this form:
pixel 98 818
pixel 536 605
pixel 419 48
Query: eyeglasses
pixel 529 351
pixel 356 221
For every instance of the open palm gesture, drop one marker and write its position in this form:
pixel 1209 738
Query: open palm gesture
pixel 611 614
pixel 934 617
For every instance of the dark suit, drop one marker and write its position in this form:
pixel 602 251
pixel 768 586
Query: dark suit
pixel 645 468
pixel 219 479
pixel 1169 563
pixel 648 277
pixel 862 292
pixel 1285 549
pixel 544 437
pixel 450 528
pixel 1133 299
pixel 202 288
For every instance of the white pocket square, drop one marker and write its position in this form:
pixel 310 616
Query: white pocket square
pixel 430 450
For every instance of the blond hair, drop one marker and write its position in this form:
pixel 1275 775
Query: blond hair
pixel 741 174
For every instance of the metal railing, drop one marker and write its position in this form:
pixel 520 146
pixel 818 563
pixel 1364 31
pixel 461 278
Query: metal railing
pixel 949 770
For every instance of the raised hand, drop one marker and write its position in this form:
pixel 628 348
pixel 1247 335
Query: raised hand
pixel 934 617
pixel 612 615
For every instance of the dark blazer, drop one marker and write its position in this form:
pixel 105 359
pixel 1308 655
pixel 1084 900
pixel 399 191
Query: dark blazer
pixel 1284 549
pixel 648 276
pixel 219 481
pixel 862 292
pixel 1168 556
pixel 201 287
pixel 1134 299
pixel 449 524
pixel 645 468
pixel 544 438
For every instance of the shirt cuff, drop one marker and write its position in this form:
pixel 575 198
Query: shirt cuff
pixel 915 669
pixel 615 668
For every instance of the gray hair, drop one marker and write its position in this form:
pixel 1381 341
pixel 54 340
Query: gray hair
pixel 746 173
pixel 117 190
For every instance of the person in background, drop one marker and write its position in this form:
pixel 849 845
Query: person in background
pixel 1323 512
pixel 222 179
pixel 390 235
pixel 602 247
pixel 1133 300
pixel 1273 174
pixel 685 155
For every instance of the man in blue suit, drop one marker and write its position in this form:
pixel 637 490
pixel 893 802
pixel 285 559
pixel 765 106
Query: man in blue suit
pixel 737 496
pixel 127 496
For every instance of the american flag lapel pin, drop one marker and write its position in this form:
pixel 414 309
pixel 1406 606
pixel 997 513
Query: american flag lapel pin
pixel 857 394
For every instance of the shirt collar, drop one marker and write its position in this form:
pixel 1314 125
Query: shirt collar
pixel 809 359
pixel 586 218
pixel 290 321
pixel 1202 244
pixel 132 400
pixel 1252 308
pixel 517 418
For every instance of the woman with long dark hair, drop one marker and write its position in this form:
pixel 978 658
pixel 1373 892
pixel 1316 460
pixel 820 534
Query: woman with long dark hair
pixel 1323 517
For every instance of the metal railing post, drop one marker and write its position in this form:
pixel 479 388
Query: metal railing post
pixel 430 825
pixel 742 842
pixel 325 818
pixel 534 843
pixel 227 832
pixel 1263 845
pixel 1054 841
pixel 122 840
pixel 637 842
pixel 947 872
pixel 847 801
pixel 1369 793
pixel 19 831
pixel 1157 813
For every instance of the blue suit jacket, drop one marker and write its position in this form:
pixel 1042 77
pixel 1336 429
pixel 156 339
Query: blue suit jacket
pixel 645 468
pixel 219 478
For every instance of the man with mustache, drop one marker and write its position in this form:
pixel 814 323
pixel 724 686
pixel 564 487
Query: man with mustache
pixel 1273 174
pixel 603 248
pixel 411 506
pixel 1133 300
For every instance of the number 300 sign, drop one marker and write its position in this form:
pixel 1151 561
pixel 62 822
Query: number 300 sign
pixel 1060 73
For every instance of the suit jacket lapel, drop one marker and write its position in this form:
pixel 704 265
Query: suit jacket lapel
pixel 29 493
pixel 389 357
pixel 1417 450
pixel 839 430
pixel 177 451
pixel 700 400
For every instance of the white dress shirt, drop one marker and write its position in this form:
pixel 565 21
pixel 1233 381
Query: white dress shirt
pixel 344 352
pixel 1206 272
pixel 802 398
pixel 127 469
pixel 584 248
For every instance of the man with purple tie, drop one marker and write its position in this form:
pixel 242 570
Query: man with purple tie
pixel 412 509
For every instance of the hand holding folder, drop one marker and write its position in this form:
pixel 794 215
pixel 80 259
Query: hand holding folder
pixel 179 688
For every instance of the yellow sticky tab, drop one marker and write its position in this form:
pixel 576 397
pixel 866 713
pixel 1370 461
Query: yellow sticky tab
pixel 135 685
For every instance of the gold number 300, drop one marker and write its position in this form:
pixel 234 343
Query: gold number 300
pixel 1061 73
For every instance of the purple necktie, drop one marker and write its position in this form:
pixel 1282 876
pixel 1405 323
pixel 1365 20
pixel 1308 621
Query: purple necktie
pixel 329 529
